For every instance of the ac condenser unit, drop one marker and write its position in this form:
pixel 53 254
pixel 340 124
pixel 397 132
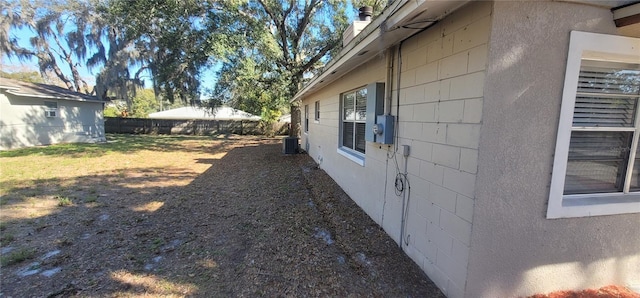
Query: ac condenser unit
pixel 290 145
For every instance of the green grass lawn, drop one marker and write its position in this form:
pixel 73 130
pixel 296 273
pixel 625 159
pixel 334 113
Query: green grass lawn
pixel 55 170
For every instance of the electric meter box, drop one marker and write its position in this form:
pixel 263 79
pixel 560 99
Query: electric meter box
pixel 379 127
pixel 384 129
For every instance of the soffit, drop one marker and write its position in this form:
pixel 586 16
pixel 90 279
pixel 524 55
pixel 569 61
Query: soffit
pixel 627 19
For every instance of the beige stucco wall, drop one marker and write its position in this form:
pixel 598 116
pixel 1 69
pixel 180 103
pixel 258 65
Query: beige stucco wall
pixel 515 251
pixel 440 112
pixel 23 122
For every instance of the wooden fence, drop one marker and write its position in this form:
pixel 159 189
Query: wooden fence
pixel 187 127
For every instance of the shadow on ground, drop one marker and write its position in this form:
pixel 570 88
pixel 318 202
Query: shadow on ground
pixel 252 224
pixel 122 143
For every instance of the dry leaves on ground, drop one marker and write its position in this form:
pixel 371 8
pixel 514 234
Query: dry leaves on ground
pixel 192 217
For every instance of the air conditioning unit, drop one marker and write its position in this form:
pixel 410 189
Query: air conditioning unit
pixel 50 114
pixel 290 145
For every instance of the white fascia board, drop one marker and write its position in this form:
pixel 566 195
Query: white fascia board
pixel 626 11
pixel 12 91
pixel 8 87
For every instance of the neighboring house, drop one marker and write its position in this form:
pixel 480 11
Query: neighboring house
pixel 519 174
pixel 193 113
pixel 38 114
pixel 285 118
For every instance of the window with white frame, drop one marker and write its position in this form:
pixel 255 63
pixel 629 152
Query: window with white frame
pixel 597 159
pixel 51 109
pixel 306 118
pixel 353 115
pixel 317 111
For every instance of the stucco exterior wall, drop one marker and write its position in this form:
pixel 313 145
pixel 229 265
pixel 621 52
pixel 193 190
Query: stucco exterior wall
pixel 515 250
pixel 439 113
pixel 23 122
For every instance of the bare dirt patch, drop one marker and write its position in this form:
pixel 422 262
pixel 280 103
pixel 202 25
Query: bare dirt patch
pixel 167 216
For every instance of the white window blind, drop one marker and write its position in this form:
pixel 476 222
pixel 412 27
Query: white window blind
pixel 595 166
pixel 354 117
pixel 603 141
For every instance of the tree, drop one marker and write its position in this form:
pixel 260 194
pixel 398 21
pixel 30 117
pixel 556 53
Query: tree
pixel 59 29
pixel 143 104
pixel 292 39
pixel 28 76
pixel 174 40
pixel 73 34
pixel 248 79
pixel 268 48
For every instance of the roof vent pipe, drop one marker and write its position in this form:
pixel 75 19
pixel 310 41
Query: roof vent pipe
pixel 365 13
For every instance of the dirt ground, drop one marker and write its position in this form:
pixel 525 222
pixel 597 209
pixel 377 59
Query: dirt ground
pixel 208 218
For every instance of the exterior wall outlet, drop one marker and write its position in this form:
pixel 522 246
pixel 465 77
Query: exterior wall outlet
pixel 405 150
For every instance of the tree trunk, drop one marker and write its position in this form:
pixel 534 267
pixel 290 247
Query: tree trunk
pixel 295 119
pixel 295 106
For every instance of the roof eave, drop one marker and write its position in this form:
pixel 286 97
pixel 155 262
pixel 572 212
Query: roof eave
pixel 385 31
pixel 14 92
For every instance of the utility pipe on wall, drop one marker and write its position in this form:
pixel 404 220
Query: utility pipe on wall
pixel 389 81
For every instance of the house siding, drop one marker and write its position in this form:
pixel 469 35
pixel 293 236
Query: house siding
pixel 515 250
pixel 479 103
pixel 23 122
pixel 439 117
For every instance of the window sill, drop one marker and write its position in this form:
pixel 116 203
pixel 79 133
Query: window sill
pixel 356 157
pixel 595 204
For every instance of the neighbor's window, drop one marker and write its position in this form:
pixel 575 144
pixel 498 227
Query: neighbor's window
pixel 597 162
pixel 353 120
pixel 51 109
pixel 317 111
pixel 306 118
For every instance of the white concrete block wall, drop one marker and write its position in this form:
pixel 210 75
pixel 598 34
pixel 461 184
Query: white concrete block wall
pixel 439 114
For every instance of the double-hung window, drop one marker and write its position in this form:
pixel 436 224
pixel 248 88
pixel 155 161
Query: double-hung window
pixel 317 111
pixel 597 161
pixel 353 117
